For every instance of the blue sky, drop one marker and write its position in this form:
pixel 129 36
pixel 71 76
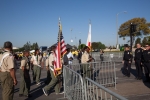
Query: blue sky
pixel 37 20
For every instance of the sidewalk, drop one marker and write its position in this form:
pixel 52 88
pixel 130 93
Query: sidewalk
pixel 131 88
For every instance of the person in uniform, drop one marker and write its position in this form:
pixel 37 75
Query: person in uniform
pixel 37 62
pixel 54 81
pixel 25 81
pixel 69 56
pixel 65 58
pixel 127 60
pixel 15 61
pixel 79 59
pixel 80 55
pixel 137 59
pixel 101 55
pixel 48 79
pixel 65 62
pixel 7 72
pixel 86 58
pixel 146 62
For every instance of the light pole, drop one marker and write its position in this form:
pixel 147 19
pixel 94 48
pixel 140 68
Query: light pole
pixel 117 27
pixel 79 40
pixel 75 41
pixel 71 38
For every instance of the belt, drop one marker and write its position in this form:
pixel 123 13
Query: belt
pixel 127 60
pixel 147 61
pixel 4 72
pixel 51 68
pixel 25 69
pixel 38 65
pixel 137 59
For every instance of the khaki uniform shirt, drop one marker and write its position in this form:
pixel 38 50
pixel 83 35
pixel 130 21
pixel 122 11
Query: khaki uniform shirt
pixel 24 63
pixel 8 62
pixel 85 57
pixel 36 61
pixel 50 59
pixel 46 62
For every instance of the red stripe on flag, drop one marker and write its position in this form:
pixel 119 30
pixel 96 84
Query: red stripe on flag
pixel 63 52
pixel 89 44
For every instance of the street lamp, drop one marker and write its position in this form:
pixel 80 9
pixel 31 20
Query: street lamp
pixel 71 36
pixel 76 41
pixel 117 26
pixel 79 39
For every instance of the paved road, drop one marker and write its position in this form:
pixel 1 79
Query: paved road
pixel 131 88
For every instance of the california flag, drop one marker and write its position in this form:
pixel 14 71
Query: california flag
pixel 88 43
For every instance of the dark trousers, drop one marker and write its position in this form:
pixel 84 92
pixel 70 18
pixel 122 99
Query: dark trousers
pixel 101 58
pixel 48 79
pixel 127 68
pixel 33 76
pixel 138 68
pixel 25 82
pixel 79 61
pixel 147 70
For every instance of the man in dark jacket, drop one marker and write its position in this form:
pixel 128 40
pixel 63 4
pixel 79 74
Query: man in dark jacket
pixel 146 62
pixel 137 59
pixel 127 60
pixel 65 58
pixel 80 55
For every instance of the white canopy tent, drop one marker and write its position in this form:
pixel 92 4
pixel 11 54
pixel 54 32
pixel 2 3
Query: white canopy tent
pixel 32 51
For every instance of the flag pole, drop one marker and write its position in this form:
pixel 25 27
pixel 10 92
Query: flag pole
pixel 59 33
pixel 59 46
pixel 59 38
pixel 91 41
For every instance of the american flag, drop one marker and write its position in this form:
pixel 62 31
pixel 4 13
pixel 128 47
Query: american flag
pixel 60 51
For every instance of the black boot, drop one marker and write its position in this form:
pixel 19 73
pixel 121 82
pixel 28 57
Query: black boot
pixel 128 75
pixel 147 78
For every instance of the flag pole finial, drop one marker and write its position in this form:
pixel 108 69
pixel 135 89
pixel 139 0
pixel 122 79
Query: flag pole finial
pixel 59 20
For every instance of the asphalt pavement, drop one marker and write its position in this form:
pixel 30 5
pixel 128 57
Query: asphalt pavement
pixel 129 87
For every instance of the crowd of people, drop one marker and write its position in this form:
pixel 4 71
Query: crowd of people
pixel 34 63
pixel 141 59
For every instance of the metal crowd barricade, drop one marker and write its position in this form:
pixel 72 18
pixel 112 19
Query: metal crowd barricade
pixel 73 85
pixel 106 74
pixel 77 87
pixel 96 56
pixel 96 91
pixel 103 73
pixel 116 54
pixel 75 61
pixel 117 57
pixel 109 56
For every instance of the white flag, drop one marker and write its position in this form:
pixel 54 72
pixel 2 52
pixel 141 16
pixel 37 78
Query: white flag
pixel 88 43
